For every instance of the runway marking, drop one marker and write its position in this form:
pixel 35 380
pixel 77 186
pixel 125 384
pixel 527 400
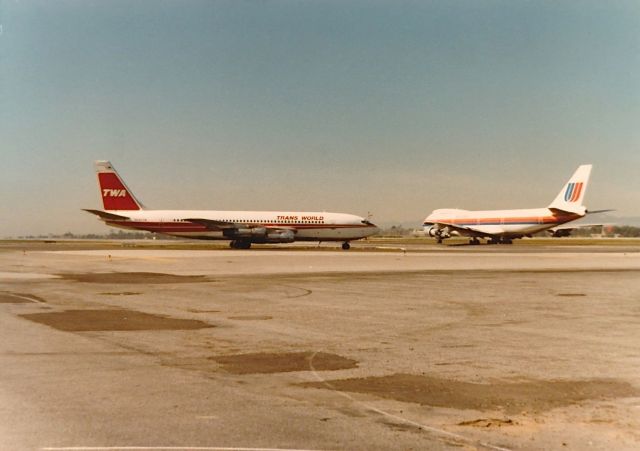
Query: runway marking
pixel 26 298
pixel 168 448
pixel 399 418
pixel 305 292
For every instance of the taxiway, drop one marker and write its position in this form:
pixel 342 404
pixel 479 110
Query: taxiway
pixel 436 348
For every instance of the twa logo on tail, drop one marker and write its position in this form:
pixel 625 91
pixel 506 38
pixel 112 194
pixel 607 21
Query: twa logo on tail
pixel 114 192
pixel 572 193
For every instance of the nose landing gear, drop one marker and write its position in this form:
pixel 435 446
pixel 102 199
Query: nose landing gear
pixel 346 246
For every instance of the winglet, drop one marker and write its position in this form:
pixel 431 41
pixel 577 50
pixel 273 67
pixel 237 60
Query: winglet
pixel 570 197
pixel 113 191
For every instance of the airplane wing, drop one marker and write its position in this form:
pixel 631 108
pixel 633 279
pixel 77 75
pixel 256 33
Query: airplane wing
pixel 105 215
pixel 566 229
pixel 212 224
pixel 215 225
pixel 468 230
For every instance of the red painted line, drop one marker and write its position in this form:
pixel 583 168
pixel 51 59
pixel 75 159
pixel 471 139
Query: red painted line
pixel 576 192
pixel 193 227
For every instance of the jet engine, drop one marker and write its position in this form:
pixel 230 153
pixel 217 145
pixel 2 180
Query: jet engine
pixel 280 236
pixel 244 233
pixel 435 232
pixel 431 231
pixel 261 235
pixel 560 233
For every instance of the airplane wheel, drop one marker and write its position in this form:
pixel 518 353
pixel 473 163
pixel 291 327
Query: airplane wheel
pixel 506 241
pixel 439 240
pixel 237 244
pixel 346 246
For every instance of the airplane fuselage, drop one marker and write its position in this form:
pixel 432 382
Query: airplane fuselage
pixel 241 228
pixel 303 226
pixel 502 223
pixel 501 226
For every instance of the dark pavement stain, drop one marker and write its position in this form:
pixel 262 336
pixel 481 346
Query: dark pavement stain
pixel 18 298
pixel 133 277
pixel 111 320
pixel 511 397
pixel 283 362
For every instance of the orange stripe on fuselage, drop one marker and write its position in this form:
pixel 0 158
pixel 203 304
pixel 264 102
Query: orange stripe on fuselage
pixel 510 220
pixel 576 192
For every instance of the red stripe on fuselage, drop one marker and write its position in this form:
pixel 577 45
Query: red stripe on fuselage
pixel 170 226
pixel 159 226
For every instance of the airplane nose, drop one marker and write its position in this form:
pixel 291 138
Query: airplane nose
pixel 372 229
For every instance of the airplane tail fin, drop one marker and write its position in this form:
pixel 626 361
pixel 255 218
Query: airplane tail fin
pixel 113 191
pixel 571 196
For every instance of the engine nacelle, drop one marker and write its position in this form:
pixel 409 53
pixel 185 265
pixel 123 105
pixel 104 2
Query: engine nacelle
pixel 280 236
pixel 250 233
pixel 435 232
pixel 560 233
pixel 260 235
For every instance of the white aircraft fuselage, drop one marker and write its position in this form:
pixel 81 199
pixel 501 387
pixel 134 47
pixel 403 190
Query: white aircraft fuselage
pixel 304 226
pixel 511 223
pixel 504 225
pixel 242 228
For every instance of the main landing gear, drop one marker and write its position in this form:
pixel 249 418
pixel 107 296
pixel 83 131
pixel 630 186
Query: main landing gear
pixel 240 244
pixel 346 246
pixel 503 240
pixel 474 241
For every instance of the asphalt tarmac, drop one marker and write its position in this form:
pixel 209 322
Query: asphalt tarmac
pixel 383 348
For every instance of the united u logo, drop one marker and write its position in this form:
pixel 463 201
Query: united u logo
pixel 573 191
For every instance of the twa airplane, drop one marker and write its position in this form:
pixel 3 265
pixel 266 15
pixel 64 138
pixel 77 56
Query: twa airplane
pixel 122 209
pixel 502 226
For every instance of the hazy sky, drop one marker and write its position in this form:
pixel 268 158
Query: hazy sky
pixel 388 107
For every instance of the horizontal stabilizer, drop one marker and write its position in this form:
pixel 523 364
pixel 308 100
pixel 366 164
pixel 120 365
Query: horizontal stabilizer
pixel 105 215
pixel 590 212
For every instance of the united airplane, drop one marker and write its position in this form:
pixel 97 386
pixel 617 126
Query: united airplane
pixel 502 226
pixel 241 228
